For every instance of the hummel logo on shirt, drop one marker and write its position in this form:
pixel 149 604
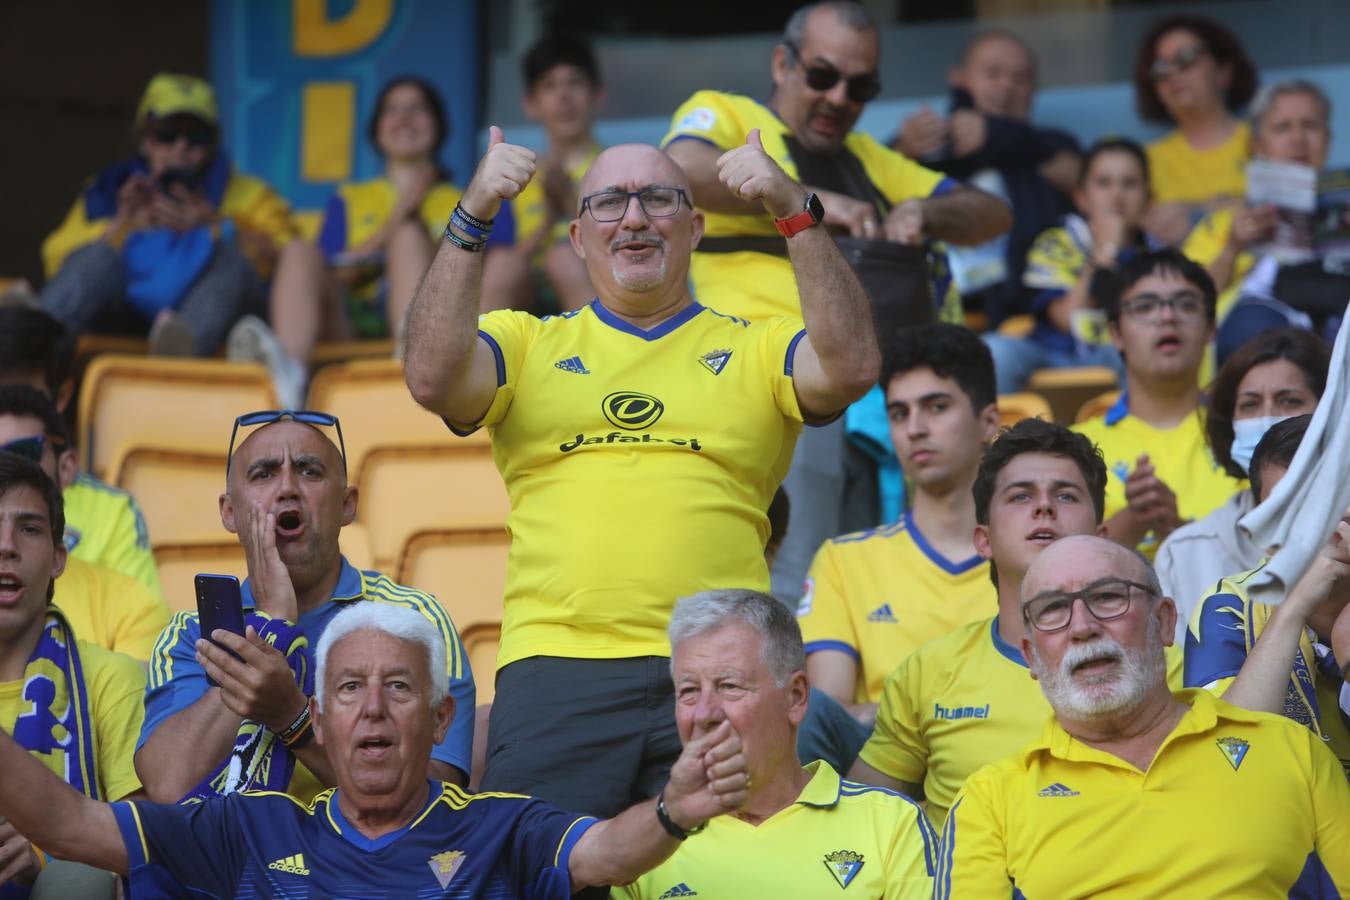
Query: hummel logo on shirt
pixel 679 890
pixel 572 364
pixel 882 614
pixel 1057 790
pixel 292 865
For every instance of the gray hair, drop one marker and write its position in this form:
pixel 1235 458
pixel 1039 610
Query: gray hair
pixel 846 12
pixel 781 638
pixel 395 621
pixel 1266 97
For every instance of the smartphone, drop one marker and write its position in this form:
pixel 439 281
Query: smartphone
pixel 219 605
pixel 170 177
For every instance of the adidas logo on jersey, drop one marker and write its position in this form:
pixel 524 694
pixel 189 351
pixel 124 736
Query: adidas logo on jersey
pixel 679 890
pixel 291 865
pixel 572 364
pixel 882 614
pixel 1057 790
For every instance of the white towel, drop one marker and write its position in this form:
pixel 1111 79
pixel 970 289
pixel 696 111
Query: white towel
pixel 1301 513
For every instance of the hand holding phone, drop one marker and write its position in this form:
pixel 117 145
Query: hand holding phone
pixel 220 605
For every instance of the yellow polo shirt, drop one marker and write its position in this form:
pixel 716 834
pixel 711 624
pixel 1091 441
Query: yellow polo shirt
pixel 110 609
pixel 1234 804
pixel 1180 173
pixel 839 839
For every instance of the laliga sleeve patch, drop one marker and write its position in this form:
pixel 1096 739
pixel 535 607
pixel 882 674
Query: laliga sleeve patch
pixel 808 594
pixel 700 119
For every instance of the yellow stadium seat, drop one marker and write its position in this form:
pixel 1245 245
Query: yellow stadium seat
pixel 328 353
pixel 1017 326
pixel 1097 406
pixel 409 489
pixel 178 490
pixel 180 404
pixel 480 645
pixel 180 563
pixel 1013 408
pixel 371 399
pixel 1066 389
pixel 465 569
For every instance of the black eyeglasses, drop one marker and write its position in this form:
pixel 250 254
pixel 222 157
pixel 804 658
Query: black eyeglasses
pixel 30 448
pixel 1106 599
pixel 1162 69
pixel 196 137
pixel 1186 306
pixel 268 416
pixel 656 202
pixel 822 77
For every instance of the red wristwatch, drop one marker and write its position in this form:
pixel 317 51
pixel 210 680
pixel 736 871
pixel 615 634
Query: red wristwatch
pixel 803 220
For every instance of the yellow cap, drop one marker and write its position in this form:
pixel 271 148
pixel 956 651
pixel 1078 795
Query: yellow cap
pixel 173 95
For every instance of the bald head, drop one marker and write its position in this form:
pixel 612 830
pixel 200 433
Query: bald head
pixel 271 443
pixel 1078 560
pixel 630 167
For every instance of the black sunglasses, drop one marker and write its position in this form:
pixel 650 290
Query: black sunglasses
pixel 196 137
pixel 822 77
pixel 268 416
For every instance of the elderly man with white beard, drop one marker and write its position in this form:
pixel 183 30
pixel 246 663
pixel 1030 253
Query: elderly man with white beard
pixel 1127 773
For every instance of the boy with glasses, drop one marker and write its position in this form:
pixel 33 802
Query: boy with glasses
pixel 1161 316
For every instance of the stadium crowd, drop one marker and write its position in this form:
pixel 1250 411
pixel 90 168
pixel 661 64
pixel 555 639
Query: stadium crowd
pixel 794 604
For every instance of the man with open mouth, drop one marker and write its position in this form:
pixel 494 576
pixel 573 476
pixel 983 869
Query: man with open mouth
pixel 1121 793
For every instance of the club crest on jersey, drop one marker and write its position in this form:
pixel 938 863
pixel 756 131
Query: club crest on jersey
pixel 445 865
pixel 715 361
pixel 1234 750
pixel 844 865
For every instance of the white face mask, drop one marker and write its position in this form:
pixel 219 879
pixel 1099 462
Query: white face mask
pixel 1247 433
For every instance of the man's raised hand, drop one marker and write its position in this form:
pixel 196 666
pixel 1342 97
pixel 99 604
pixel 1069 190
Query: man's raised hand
pixel 711 777
pixel 751 174
pixel 501 175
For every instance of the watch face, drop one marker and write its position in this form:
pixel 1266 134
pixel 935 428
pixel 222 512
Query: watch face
pixel 814 207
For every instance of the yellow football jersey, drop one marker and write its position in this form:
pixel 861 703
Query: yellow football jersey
pixel 1204 244
pixel 110 609
pixel 1180 173
pixel 1180 456
pixel 105 526
pixel 639 465
pixel 1234 804
pixel 757 285
pixel 838 836
pixel 878 595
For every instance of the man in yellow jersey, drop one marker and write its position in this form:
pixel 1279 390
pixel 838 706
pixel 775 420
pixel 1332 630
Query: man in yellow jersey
pixel 1161 316
pixel 641 440
pixel 873 597
pixel 1120 794
pixel 736 656
pixel 103 524
pixel 824 72
pixel 103 606
pixel 1278 658
pixel 230 713
pixel 963 700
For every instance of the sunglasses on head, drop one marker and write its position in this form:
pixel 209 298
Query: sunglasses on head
pixel 195 137
pixel 823 76
pixel 269 416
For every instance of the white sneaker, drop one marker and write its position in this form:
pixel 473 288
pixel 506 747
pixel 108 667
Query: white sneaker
pixel 250 340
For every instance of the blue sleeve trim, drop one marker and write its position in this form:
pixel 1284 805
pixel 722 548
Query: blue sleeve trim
pixel 789 358
pixel 945 186
pixel 333 232
pixel 128 823
pixel 692 137
pixel 501 380
pixel 813 646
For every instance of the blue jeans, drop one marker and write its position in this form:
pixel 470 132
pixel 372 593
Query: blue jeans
pixel 1016 358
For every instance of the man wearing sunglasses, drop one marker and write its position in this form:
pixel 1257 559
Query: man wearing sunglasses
pixel 226 713
pixel 1123 792
pixel 172 242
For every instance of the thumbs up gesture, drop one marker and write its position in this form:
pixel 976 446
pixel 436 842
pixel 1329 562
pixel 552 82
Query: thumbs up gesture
pixel 751 174
pixel 501 175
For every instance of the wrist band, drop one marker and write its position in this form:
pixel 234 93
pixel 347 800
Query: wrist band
pixel 675 831
pixel 293 730
pixel 470 246
pixel 484 224
pixel 301 738
pixel 474 228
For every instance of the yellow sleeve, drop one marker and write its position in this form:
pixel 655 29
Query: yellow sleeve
pixel 72 234
pixel 116 685
pixel 897 176
pixel 823 613
pixel 896 747
pixel 137 615
pixel 1209 236
pixel 508 334
pixel 707 116
pixel 1053 262
pixel 1330 794
pixel 973 860
pixel 255 206
pixel 130 553
pixel 911 860
pixel 782 339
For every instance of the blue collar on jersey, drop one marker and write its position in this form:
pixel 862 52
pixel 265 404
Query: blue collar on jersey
pixel 936 558
pixel 358 840
pixel 350 585
pixel 1004 647
pixel 653 334
pixel 1119 410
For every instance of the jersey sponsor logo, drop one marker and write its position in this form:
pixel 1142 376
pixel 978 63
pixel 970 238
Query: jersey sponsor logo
pixel 679 890
pixel 700 119
pixel 1234 750
pixel 883 613
pixel 445 865
pixel 952 713
pixel 715 361
pixel 631 410
pixel 615 438
pixel 808 594
pixel 572 364
pixel 844 865
pixel 1057 790
pixel 291 865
